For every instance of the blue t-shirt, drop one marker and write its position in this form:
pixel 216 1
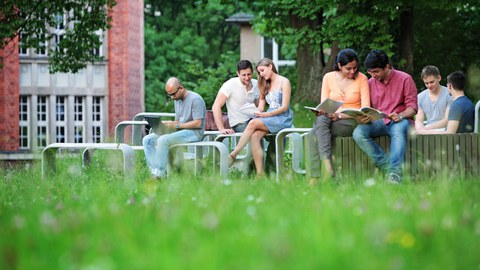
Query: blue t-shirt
pixel 462 110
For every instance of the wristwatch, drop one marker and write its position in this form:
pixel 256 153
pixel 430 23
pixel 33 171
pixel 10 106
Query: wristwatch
pixel 177 126
pixel 400 117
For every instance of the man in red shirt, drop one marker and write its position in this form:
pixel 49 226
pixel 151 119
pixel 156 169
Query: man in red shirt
pixel 394 93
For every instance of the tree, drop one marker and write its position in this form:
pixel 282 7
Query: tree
pixel 409 31
pixel 319 29
pixel 36 22
pixel 191 40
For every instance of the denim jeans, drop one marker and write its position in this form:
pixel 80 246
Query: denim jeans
pixel 156 148
pixel 364 135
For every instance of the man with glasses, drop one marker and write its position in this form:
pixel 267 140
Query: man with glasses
pixel 188 126
pixel 394 93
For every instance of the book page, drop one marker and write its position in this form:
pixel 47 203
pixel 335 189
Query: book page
pixel 376 114
pixel 328 106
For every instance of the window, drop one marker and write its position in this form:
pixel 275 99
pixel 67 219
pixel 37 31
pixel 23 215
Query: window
pixel 42 50
pixel 22 51
pixel 98 51
pixel 42 123
pixel 272 50
pixel 78 116
pixel 60 120
pixel 24 109
pixel 59 30
pixel 97 119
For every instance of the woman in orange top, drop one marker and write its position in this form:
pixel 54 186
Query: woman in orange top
pixel 345 84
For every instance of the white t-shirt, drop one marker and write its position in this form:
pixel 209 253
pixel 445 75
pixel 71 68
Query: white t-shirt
pixel 240 103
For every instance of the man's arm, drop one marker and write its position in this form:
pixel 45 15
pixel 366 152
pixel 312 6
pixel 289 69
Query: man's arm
pixel 408 113
pixel 220 100
pixel 419 118
pixel 452 128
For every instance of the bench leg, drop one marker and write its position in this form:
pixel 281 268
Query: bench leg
pixel 49 165
pixel 128 159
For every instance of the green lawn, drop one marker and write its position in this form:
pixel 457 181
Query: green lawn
pixel 95 219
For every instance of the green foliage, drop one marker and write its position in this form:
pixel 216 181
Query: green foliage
pixel 189 40
pixel 98 220
pixel 35 19
pixel 449 42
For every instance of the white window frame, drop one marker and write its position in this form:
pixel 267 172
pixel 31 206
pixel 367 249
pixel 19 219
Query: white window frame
pixel 24 122
pixel 79 119
pixel 96 124
pixel 61 128
pixel 275 53
pixel 22 51
pixel 42 124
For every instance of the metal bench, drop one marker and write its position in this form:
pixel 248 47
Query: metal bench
pixel 198 152
pixel 297 143
pixel 50 151
pixel 136 130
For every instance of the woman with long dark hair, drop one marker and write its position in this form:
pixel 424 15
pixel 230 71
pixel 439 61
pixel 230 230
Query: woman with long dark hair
pixel 345 83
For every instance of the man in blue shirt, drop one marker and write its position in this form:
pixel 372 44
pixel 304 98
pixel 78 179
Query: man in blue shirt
pixel 462 110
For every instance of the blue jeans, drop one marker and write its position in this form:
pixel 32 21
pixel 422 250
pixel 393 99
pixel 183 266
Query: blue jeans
pixel 364 135
pixel 156 148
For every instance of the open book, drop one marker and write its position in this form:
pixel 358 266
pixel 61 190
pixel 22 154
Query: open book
pixel 374 113
pixel 328 106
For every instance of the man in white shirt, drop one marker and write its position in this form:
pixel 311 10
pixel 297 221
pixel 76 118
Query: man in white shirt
pixel 241 96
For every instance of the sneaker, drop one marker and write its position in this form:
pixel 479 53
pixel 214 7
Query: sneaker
pixel 394 178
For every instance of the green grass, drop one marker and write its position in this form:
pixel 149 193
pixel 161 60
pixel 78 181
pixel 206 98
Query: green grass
pixel 95 219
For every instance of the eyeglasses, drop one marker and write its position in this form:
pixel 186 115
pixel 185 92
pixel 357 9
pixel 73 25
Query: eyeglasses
pixel 174 93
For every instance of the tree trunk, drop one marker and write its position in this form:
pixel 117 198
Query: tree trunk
pixel 310 70
pixel 406 39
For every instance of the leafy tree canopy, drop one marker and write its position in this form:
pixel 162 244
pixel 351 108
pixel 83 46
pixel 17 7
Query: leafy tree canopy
pixel 442 33
pixel 189 40
pixel 37 20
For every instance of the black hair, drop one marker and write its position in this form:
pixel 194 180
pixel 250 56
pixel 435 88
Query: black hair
pixel 344 57
pixel 376 59
pixel 244 64
pixel 457 79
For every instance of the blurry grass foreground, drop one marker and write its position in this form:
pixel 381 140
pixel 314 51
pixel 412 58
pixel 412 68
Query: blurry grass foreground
pixel 96 219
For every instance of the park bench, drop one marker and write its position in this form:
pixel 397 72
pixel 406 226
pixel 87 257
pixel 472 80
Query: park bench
pixel 425 157
pixel 50 151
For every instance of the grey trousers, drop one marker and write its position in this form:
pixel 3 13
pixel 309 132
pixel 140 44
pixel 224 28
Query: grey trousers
pixel 322 137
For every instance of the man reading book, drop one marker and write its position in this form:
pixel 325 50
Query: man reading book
pixel 394 93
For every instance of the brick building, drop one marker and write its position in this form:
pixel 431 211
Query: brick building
pixel 38 108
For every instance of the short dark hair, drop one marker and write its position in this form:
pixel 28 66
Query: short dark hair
pixel 376 59
pixel 244 64
pixel 344 57
pixel 457 79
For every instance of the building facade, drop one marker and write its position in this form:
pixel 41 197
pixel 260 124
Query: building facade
pixel 38 108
